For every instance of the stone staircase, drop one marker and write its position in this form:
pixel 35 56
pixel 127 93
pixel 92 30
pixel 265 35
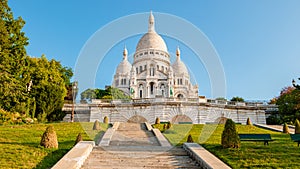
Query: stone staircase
pixel 132 146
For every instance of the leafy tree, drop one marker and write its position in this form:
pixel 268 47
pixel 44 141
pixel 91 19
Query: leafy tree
pixel 297 126
pixel 109 93
pixel 88 95
pixel 285 129
pixel 237 99
pixel 230 137
pixel 12 61
pixel 288 104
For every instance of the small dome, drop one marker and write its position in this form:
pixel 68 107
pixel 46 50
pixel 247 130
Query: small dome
pixel 124 67
pixel 152 40
pixel 178 66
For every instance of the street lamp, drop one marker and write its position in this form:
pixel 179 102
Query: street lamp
pixel 296 85
pixel 74 90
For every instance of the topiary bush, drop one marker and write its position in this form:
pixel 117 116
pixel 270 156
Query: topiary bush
pixel 169 125
pixel 157 120
pixel 78 139
pixel 106 120
pixel 297 126
pixel 285 128
pixel 96 125
pixel 230 137
pixel 248 121
pixel 190 139
pixel 49 138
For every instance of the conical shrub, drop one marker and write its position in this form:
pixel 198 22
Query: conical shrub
pixel 106 120
pixel 230 137
pixel 78 139
pixel 248 121
pixel 297 126
pixel 190 139
pixel 49 138
pixel 96 125
pixel 157 120
pixel 169 125
pixel 285 128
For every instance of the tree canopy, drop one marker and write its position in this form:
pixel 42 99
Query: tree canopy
pixel 108 93
pixel 237 99
pixel 34 87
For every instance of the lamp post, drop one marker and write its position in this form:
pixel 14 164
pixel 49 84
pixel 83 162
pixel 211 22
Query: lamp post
pixel 296 85
pixel 74 90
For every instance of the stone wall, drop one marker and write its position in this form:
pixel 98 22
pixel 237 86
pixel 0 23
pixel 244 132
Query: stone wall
pixel 174 111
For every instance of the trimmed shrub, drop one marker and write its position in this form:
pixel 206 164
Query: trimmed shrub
pixel 169 125
pixel 157 120
pixel 190 139
pixel 297 126
pixel 49 138
pixel 248 121
pixel 165 126
pixel 96 125
pixel 230 137
pixel 106 120
pixel 78 139
pixel 285 128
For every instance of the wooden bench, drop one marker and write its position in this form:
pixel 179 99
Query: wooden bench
pixel 256 137
pixel 295 138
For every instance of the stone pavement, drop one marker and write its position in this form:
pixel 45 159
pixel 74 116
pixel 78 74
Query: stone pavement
pixel 132 146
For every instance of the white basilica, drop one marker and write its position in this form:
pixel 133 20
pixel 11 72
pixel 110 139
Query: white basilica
pixel 151 74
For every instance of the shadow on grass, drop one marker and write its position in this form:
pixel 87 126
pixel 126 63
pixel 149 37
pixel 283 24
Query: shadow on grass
pixel 54 155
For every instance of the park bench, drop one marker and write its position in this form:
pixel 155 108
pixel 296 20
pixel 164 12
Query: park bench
pixel 256 137
pixel 295 138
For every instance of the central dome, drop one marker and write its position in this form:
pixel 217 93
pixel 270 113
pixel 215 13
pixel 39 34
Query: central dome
pixel 152 40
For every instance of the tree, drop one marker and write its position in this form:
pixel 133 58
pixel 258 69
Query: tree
pixel 297 127
pixel 106 120
pixel 96 125
pixel 13 93
pixel 190 139
pixel 49 138
pixel 285 129
pixel 230 137
pixel 157 120
pixel 288 104
pixel 237 99
pixel 248 121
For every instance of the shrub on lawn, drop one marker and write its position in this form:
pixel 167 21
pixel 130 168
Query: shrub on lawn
pixel 96 125
pixel 248 121
pixel 190 139
pixel 230 137
pixel 106 120
pixel 169 125
pixel 297 127
pixel 78 139
pixel 157 120
pixel 49 138
pixel 285 128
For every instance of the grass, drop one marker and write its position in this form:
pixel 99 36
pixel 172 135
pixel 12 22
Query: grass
pixel 19 144
pixel 281 153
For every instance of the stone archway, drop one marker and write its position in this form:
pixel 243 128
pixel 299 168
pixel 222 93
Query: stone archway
pixel 137 119
pixel 181 119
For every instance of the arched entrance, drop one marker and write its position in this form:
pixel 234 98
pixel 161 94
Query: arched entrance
pixel 137 119
pixel 179 96
pixel 181 119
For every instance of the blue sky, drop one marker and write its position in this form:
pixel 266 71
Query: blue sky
pixel 258 41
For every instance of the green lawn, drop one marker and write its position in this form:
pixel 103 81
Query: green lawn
pixel 281 153
pixel 19 144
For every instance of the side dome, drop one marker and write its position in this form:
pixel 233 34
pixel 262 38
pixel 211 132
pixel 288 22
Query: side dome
pixel 178 66
pixel 151 40
pixel 124 67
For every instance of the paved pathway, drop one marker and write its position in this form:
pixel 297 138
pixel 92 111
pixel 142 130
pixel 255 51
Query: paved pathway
pixel 132 146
